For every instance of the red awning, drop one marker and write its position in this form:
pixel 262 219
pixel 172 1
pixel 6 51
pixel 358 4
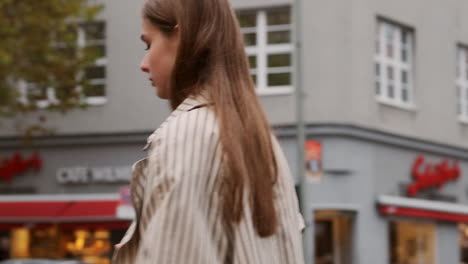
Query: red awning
pixel 411 207
pixel 63 209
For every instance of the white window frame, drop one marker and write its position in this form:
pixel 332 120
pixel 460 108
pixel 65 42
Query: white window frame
pixel 461 83
pixel 263 49
pixel 51 97
pixel 397 64
pixel 102 62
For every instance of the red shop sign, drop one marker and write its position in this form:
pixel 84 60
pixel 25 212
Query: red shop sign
pixel 434 175
pixel 17 165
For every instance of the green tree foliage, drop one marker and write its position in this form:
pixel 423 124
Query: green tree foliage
pixel 39 46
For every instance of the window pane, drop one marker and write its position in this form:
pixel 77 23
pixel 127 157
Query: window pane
pixel 404 55
pixel 279 17
pixel 279 79
pixel 250 39
pixel 68 35
pixel 404 37
pixel 390 50
pixel 65 92
pixel 254 78
pixel 377 87
pixel 390 33
pixel 378 36
pixel 101 50
pixel 66 53
pixel 96 72
pixel 35 92
pixel 247 19
pixel 404 76
pixel 278 37
pixel 390 73
pixel 95 31
pixel 253 62
pixel 98 51
pixel 404 94
pixel 377 69
pixel 390 91
pixel 279 60
pixel 96 90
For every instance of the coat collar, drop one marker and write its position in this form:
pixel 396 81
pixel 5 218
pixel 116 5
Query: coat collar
pixel 190 103
pixel 193 101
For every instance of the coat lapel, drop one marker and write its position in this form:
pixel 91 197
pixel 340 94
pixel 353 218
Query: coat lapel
pixel 139 168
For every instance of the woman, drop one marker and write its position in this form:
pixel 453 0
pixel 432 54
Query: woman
pixel 215 187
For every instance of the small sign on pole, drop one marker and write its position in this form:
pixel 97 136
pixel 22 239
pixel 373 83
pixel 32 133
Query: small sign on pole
pixel 313 160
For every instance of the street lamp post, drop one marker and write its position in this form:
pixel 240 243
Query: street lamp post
pixel 304 201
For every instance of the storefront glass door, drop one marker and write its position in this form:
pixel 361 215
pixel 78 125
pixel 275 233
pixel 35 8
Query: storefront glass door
pixel 333 237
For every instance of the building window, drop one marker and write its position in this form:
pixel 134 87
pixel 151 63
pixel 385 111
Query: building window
pixel 394 64
pixel 268 40
pixel 462 83
pixel 412 242
pixel 90 36
pixel 93 35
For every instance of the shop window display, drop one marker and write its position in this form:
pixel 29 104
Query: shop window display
pixel 412 243
pixel 93 246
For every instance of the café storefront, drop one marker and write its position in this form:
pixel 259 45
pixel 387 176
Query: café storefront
pixel 65 201
pixel 80 227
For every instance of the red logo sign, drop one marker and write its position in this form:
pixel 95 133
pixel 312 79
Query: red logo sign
pixel 434 175
pixel 18 165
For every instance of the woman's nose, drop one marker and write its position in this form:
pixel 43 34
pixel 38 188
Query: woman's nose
pixel 144 65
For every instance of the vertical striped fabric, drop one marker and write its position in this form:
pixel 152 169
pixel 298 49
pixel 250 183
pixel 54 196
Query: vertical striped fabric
pixel 175 195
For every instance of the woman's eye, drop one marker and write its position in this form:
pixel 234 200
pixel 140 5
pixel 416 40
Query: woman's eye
pixel 147 47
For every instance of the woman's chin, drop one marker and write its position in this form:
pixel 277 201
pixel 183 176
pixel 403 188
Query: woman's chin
pixel 161 94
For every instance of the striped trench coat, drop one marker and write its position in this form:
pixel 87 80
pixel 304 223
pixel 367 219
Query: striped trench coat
pixel 175 196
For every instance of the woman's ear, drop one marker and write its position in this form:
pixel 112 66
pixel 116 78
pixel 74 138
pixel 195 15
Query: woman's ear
pixel 177 31
pixel 175 36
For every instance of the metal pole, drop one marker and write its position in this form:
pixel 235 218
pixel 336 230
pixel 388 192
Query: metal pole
pixel 305 208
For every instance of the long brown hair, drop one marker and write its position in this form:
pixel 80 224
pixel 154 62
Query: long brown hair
pixel 211 57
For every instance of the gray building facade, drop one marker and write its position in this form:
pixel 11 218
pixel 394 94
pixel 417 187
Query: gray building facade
pixel 385 82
